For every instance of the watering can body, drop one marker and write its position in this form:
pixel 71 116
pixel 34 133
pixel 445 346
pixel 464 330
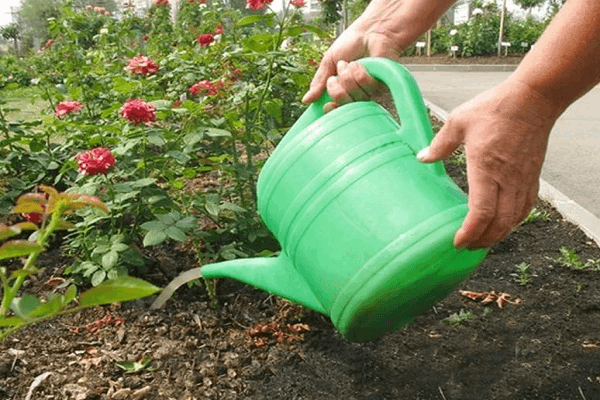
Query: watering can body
pixel 366 230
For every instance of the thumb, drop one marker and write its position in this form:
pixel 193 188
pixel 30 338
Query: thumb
pixel 445 142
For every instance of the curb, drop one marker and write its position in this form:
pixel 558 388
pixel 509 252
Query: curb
pixel 568 208
pixel 461 67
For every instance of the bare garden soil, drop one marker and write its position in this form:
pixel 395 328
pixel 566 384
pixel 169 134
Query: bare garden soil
pixel 545 344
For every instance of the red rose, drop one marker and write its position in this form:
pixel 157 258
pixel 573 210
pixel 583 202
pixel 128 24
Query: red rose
pixel 205 39
pixel 95 161
pixel 210 88
pixel 67 107
pixel 162 2
pixel 141 65
pixel 138 111
pixel 257 4
pixel 298 3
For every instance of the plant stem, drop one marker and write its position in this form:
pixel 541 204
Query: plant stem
pixel 42 240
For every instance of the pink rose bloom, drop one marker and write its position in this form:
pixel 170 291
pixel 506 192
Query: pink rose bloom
pixel 220 29
pixel 257 4
pixel 205 39
pixel 162 2
pixel 67 107
pixel 95 161
pixel 138 111
pixel 141 65
pixel 197 1
pixel 210 88
pixel 298 3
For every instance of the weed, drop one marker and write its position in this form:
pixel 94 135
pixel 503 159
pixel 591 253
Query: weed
pixel 523 274
pixel 459 318
pixel 536 215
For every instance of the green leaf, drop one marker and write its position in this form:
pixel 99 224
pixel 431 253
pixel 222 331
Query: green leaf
pixel 186 223
pixel 212 208
pixel 153 226
pixel 140 183
pixel 215 132
pixel 117 290
pixel 175 233
pixel 132 257
pixel 232 207
pixel 9 231
pixel 50 307
pixel 119 247
pixel 316 30
pixel 152 238
pixel 11 321
pixel 70 295
pixel 19 248
pixel 110 259
pixel 122 86
pixel 98 277
pixel 250 19
pixel 23 306
pixel 274 110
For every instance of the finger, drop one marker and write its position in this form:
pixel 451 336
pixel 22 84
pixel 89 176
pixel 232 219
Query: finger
pixel 502 222
pixel 483 195
pixel 347 80
pixel 530 200
pixel 337 92
pixel 443 144
pixel 318 84
pixel 368 85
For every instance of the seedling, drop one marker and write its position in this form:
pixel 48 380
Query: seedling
pixel 133 367
pixel 523 274
pixel 536 215
pixel 568 258
pixel 459 318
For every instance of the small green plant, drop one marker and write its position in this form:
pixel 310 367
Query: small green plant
pixel 458 158
pixel 568 258
pixel 136 366
pixel 523 274
pixel 46 213
pixel 536 215
pixel 459 318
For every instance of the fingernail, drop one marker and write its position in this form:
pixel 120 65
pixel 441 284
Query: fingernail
pixel 304 98
pixel 423 154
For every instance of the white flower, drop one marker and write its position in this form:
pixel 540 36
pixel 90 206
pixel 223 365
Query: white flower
pixel 104 31
pixel 477 11
pixel 453 32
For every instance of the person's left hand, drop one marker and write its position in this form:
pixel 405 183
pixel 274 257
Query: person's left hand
pixel 505 133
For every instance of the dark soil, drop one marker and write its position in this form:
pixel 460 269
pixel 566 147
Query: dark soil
pixel 545 346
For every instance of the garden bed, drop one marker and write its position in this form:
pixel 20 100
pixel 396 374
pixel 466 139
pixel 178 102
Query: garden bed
pixel 251 345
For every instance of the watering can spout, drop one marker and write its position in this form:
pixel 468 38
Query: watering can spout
pixel 275 275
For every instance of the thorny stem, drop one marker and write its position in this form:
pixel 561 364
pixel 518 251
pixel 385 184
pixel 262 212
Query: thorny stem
pixel 42 240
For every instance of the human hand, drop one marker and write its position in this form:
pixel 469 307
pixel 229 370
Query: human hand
pixel 505 132
pixel 352 82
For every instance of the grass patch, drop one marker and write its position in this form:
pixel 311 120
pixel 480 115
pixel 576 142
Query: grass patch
pixel 25 100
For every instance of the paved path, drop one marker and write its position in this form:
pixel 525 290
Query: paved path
pixel 572 164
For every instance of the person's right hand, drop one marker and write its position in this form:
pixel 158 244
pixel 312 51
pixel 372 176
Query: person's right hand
pixel 344 81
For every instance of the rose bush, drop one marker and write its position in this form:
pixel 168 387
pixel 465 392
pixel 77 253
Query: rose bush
pixel 148 95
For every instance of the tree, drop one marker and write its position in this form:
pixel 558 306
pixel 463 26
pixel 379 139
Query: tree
pixel 34 14
pixel 12 32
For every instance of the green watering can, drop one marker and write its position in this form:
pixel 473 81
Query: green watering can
pixel 366 230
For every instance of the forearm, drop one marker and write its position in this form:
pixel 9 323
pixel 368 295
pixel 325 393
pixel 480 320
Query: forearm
pixel 565 62
pixel 405 19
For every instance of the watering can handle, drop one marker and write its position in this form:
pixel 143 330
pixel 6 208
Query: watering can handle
pixel 407 99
